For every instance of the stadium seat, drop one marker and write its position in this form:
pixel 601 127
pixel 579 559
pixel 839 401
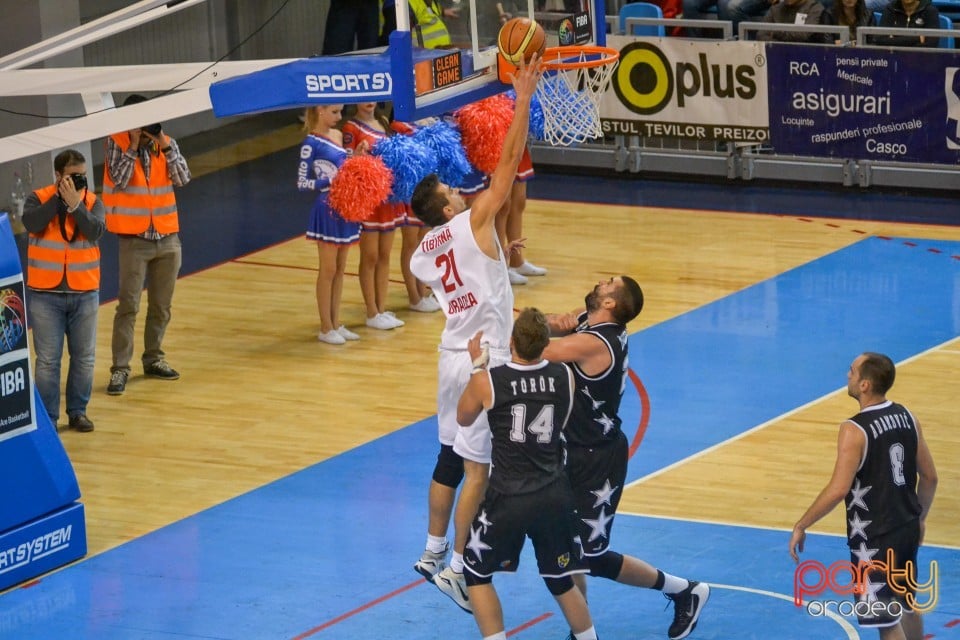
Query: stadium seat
pixel 946 23
pixel 641 10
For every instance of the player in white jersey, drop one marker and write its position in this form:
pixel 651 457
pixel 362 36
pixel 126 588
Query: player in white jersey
pixel 462 261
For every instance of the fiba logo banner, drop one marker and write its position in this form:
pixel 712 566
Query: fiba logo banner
pixel 687 89
pixel 575 29
pixel 13 319
pixel 16 388
pixel 951 92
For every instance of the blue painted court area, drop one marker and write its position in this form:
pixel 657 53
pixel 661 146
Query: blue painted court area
pixel 328 552
pixel 724 368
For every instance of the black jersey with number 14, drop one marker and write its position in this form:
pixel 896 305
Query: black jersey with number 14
pixel 531 405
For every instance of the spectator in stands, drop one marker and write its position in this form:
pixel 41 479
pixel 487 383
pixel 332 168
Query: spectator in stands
pixel 793 12
pixel 915 14
pixel 65 221
pixel 426 22
pixel 351 24
pixel 735 11
pixel 851 14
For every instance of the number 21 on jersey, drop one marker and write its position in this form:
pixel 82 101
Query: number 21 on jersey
pixel 451 277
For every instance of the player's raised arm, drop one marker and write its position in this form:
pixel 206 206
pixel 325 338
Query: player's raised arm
pixel 487 204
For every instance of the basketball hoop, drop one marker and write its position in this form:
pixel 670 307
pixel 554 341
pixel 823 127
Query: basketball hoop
pixel 570 91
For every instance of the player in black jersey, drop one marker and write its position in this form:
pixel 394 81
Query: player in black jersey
pixel 528 402
pixel 594 342
pixel 885 471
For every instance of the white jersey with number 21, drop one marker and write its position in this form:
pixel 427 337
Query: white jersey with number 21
pixel 473 289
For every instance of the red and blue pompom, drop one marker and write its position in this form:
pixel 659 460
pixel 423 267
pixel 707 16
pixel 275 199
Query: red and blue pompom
pixel 361 185
pixel 536 114
pixel 483 129
pixel 444 140
pixel 409 161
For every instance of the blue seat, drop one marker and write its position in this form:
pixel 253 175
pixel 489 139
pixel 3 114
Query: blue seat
pixel 945 23
pixel 641 10
pixel 948 42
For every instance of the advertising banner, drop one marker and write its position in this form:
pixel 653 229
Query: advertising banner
pixel 871 104
pixel 696 89
pixel 325 80
pixel 17 411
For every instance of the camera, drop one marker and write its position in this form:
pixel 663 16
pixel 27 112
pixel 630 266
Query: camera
pixel 153 129
pixel 79 181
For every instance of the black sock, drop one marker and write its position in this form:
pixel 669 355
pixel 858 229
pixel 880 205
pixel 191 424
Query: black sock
pixel 658 585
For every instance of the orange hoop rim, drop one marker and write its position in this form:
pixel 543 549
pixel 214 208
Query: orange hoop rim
pixel 608 56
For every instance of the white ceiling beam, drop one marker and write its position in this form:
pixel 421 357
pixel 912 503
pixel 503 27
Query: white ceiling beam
pixel 99 125
pixel 125 78
pixel 112 23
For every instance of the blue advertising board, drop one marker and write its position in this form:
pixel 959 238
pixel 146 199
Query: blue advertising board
pixel 865 103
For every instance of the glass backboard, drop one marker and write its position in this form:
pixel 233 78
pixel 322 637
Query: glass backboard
pixel 439 69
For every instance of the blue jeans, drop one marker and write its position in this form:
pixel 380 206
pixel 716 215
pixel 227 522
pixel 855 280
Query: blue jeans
pixel 53 316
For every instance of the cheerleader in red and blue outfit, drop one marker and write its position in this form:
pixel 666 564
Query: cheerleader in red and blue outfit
pixel 369 127
pixel 321 156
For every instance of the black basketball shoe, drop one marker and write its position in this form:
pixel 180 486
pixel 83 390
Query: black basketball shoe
pixel 687 606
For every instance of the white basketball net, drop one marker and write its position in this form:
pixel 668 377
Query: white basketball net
pixel 570 99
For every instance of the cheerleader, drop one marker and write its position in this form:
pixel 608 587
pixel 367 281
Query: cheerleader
pixel 369 127
pixel 321 155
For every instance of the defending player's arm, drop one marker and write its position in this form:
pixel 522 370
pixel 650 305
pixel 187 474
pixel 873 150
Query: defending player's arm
pixel 850 445
pixel 589 352
pixel 478 394
pixel 485 207
pixel 927 479
pixel 562 324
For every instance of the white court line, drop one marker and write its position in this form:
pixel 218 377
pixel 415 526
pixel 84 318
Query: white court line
pixel 782 416
pixel 744 525
pixel 846 626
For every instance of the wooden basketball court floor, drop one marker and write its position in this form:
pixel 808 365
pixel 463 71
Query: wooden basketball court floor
pixel 278 489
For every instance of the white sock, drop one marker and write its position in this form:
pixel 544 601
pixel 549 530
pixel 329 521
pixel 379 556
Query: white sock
pixel 456 562
pixel 673 585
pixel 497 636
pixel 436 544
pixel 589 634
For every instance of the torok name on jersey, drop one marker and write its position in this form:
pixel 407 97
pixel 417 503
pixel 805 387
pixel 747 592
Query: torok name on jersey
pixel 534 384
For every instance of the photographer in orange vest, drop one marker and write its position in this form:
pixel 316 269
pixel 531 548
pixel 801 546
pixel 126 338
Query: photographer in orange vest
pixel 65 221
pixel 141 168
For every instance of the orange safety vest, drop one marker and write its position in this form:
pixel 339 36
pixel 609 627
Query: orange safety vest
pixel 50 255
pixel 131 209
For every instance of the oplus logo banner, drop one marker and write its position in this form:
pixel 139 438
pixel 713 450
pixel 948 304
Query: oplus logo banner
pixel 688 89
pixel 874 584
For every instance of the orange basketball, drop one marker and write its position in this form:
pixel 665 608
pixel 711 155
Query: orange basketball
pixel 519 39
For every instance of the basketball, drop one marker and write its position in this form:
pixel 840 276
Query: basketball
pixel 519 39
